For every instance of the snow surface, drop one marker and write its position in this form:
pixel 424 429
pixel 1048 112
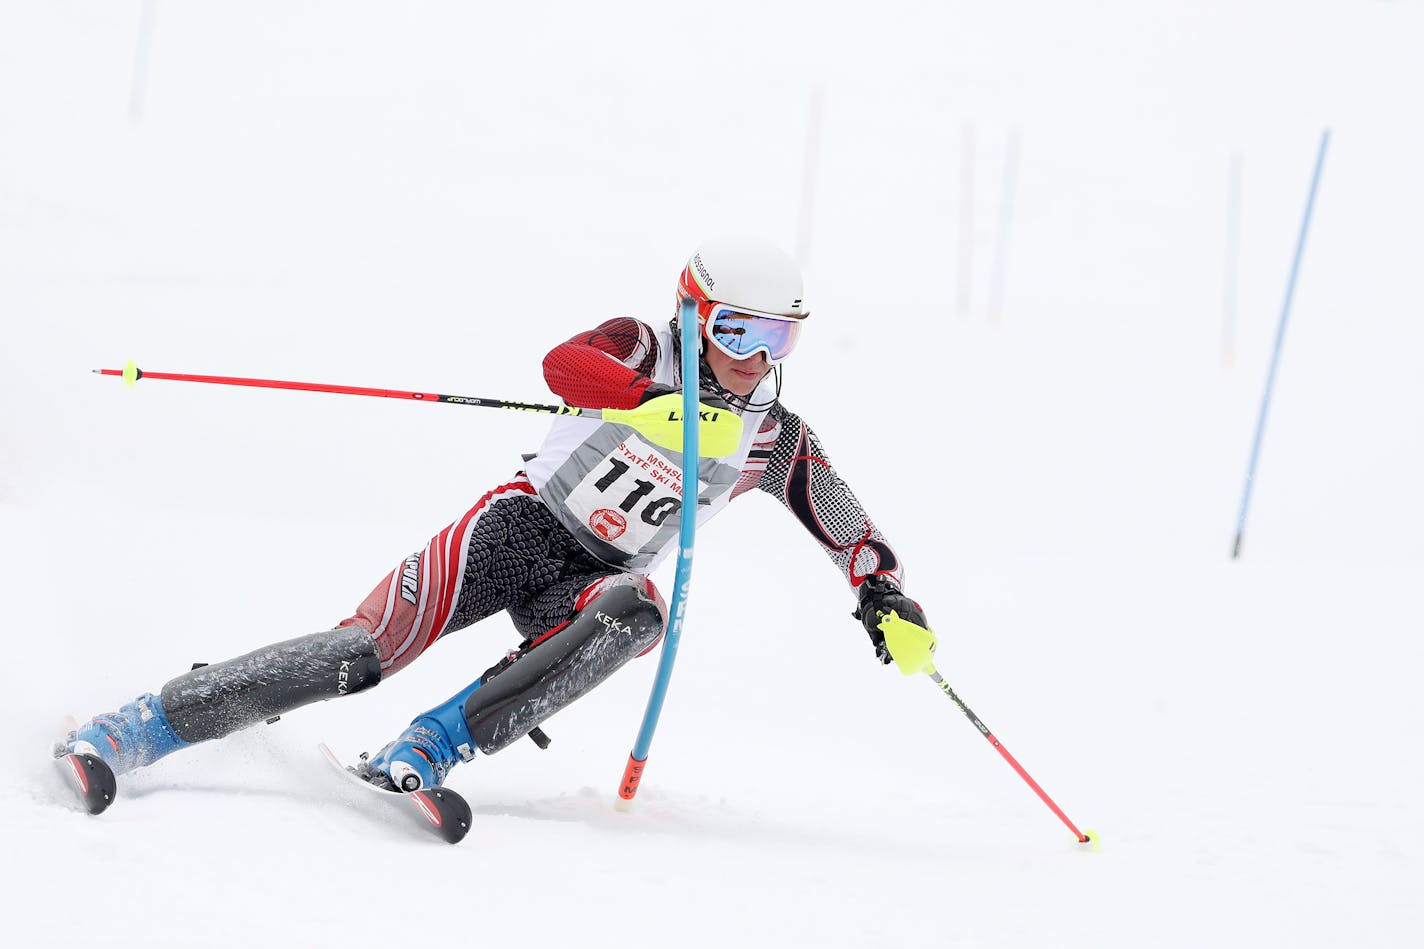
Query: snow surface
pixel 429 196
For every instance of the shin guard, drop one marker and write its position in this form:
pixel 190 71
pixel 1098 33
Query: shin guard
pixel 515 696
pixel 216 700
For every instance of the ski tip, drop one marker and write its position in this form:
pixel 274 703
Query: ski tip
pixel 447 812
pixel 91 779
pixel 1090 840
pixel 438 810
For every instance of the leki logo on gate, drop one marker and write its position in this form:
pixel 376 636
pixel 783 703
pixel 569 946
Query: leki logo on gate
pixel 607 524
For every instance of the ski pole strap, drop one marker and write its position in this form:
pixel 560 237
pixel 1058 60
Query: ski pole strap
pixel 687 527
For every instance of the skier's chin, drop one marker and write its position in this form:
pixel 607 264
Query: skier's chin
pixel 739 382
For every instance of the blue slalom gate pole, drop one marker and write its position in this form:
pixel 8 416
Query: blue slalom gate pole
pixel 687 527
pixel 1276 353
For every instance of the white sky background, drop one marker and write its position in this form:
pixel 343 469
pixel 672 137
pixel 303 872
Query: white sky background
pixel 431 196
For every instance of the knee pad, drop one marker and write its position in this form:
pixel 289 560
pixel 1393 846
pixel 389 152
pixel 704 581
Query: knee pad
pixel 216 700
pixel 603 585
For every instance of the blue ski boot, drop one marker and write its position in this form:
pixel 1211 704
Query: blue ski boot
pixel 420 758
pixel 135 736
pixel 426 751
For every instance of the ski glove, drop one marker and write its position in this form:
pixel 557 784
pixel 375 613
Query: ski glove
pixel 882 605
pixel 653 391
pixel 707 397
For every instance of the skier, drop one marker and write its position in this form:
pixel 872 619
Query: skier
pixel 565 547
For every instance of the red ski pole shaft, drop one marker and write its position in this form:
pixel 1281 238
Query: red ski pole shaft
pixel 131 374
pixel 984 730
pixel 721 431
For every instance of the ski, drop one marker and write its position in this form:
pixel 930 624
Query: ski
pixel 438 810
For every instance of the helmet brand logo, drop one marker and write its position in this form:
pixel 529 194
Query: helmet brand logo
pixel 701 269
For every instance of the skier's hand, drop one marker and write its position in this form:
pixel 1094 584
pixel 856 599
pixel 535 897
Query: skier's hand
pixel 706 397
pixel 896 625
pixel 653 391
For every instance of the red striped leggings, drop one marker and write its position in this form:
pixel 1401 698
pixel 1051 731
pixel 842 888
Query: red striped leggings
pixel 508 552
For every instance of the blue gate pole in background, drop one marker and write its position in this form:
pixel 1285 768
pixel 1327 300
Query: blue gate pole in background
pixel 1276 353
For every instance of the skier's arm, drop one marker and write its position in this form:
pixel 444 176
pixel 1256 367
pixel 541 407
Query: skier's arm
pixel 611 367
pixel 800 476
pixel 606 368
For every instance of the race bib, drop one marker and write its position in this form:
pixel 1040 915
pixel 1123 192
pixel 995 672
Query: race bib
pixel 628 496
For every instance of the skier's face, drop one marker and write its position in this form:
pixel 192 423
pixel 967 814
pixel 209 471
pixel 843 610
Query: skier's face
pixel 738 376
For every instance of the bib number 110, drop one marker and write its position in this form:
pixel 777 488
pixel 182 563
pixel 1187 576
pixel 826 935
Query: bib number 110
pixel 652 513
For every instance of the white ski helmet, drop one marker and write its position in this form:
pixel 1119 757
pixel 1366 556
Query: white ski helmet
pixel 746 283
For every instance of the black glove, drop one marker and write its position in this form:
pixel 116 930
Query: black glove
pixel 655 390
pixel 707 397
pixel 878 597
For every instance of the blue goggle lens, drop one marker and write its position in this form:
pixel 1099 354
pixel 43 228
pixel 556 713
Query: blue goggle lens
pixel 740 335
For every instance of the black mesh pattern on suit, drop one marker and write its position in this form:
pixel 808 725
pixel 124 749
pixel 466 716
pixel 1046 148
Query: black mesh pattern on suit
pixel 800 476
pixel 581 373
pixel 521 559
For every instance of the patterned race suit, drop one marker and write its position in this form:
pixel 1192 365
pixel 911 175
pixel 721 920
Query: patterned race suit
pixel 598 506
pixel 558 547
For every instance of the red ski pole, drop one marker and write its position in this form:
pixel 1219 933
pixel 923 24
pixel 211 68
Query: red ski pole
pixel 912 647
pixel 1089 837
pixel 658 419
pixel 132 373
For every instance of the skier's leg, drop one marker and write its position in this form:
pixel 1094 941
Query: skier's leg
pixel 420 600
pixel 612 620
pixel 215 700
pixel 506 546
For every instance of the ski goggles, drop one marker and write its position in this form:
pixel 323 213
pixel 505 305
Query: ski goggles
pixel 741 333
